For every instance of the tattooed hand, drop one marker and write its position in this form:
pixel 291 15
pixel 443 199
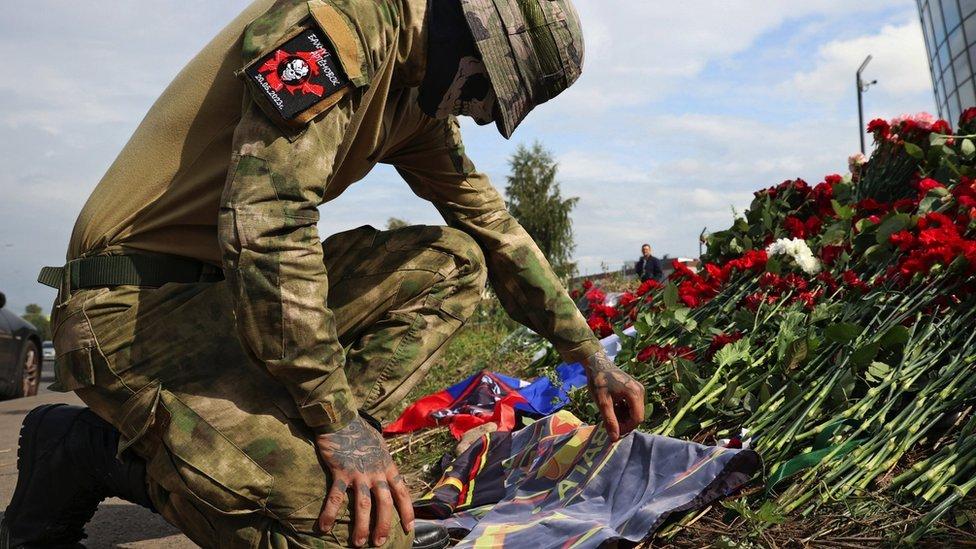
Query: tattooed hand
pixel 360 464
pixel 619 397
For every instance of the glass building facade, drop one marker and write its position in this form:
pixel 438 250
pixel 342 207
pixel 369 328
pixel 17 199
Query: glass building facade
pixel 950 38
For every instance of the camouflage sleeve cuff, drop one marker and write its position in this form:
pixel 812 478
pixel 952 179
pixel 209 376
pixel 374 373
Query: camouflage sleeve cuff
pixel 582 351
pixel 330 413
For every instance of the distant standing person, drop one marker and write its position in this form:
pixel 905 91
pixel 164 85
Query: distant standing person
pixel 649 267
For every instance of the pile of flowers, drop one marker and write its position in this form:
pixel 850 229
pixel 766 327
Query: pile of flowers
pixel 833 320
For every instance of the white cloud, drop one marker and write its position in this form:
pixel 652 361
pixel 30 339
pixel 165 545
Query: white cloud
pixel 638 51
pixel 899 64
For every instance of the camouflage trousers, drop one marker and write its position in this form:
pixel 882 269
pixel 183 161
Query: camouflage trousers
pixel 229 460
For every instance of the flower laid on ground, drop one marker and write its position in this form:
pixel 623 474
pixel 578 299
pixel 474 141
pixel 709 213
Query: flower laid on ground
pixel 797 250
pixel 836 321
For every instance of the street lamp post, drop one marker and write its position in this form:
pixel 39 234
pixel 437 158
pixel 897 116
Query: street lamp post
pixel 862 87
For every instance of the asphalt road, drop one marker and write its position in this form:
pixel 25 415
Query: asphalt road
pixel 117 523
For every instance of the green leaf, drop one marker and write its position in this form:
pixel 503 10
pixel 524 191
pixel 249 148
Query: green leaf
pixel 842 211
pixel 825 311
pixel 928 203
pixel 743 317
pixel 937 139
pixel 648 410
pixel 895 337
pixel 842 332
pixel 687 369
pixel 892 225
pixel 733 353
pixel 642 326
pixel 914 150
pixel 878 371
pixel 835 234
pixel 865 225
pixel 864 355
pixel 878 252
pixel 967 148
pixel 797 353
pixel 681 314
pixel 670 295
pixel 684 395
pixel 688 425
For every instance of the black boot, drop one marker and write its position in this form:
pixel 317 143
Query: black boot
pixel 66 466
pixel 427 535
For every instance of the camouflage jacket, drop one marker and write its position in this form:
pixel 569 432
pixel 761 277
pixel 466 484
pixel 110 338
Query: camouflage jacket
pixel 262 226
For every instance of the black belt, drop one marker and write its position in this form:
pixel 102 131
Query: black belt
pixel 128 270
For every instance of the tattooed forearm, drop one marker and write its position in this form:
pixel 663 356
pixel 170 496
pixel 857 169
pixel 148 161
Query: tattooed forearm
pixel 357 447
pixel 604 375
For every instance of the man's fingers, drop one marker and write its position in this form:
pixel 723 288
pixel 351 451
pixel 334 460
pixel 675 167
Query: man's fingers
pixel 637 404
pixel 622 409
pixel 361 508
pixel 384 512
pixel 333 503
pixel 404 503
pixel 605 404
pixel 629 409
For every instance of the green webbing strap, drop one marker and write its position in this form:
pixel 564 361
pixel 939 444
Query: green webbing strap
pixel 51 276
pixel 128 270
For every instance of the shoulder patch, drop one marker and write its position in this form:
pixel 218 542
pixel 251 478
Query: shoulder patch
pixel 299 74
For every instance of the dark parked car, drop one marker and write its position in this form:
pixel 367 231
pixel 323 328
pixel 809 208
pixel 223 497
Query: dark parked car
pixel 20 355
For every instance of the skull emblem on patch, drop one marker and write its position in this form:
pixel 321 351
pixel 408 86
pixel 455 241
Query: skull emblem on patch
pixel 293 71
pixel 297 75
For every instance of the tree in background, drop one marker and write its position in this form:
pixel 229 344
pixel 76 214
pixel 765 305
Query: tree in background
pixel 396 223
pixel 534 199
pixel 35 315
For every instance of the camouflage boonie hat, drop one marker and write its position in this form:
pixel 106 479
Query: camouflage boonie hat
pixel 533 50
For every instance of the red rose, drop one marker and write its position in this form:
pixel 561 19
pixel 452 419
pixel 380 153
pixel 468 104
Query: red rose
pixel 854 282
pixel 809 299
pixel 941 126
pixel 928 184
pixel 599 325
pixel 967 116
pixel 829 280
pixel 880 128
pixel 596 296
pixel 829 254
pixel 812 225
pixel 721 340
pixel 752 260
pixel 794 281
pixel 771 280
pixel 664 353
pixel 647 286
pixel 905 205
pixel 905 240
pixel 794 227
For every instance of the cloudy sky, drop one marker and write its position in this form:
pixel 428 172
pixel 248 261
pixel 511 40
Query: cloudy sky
pixel 683 109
